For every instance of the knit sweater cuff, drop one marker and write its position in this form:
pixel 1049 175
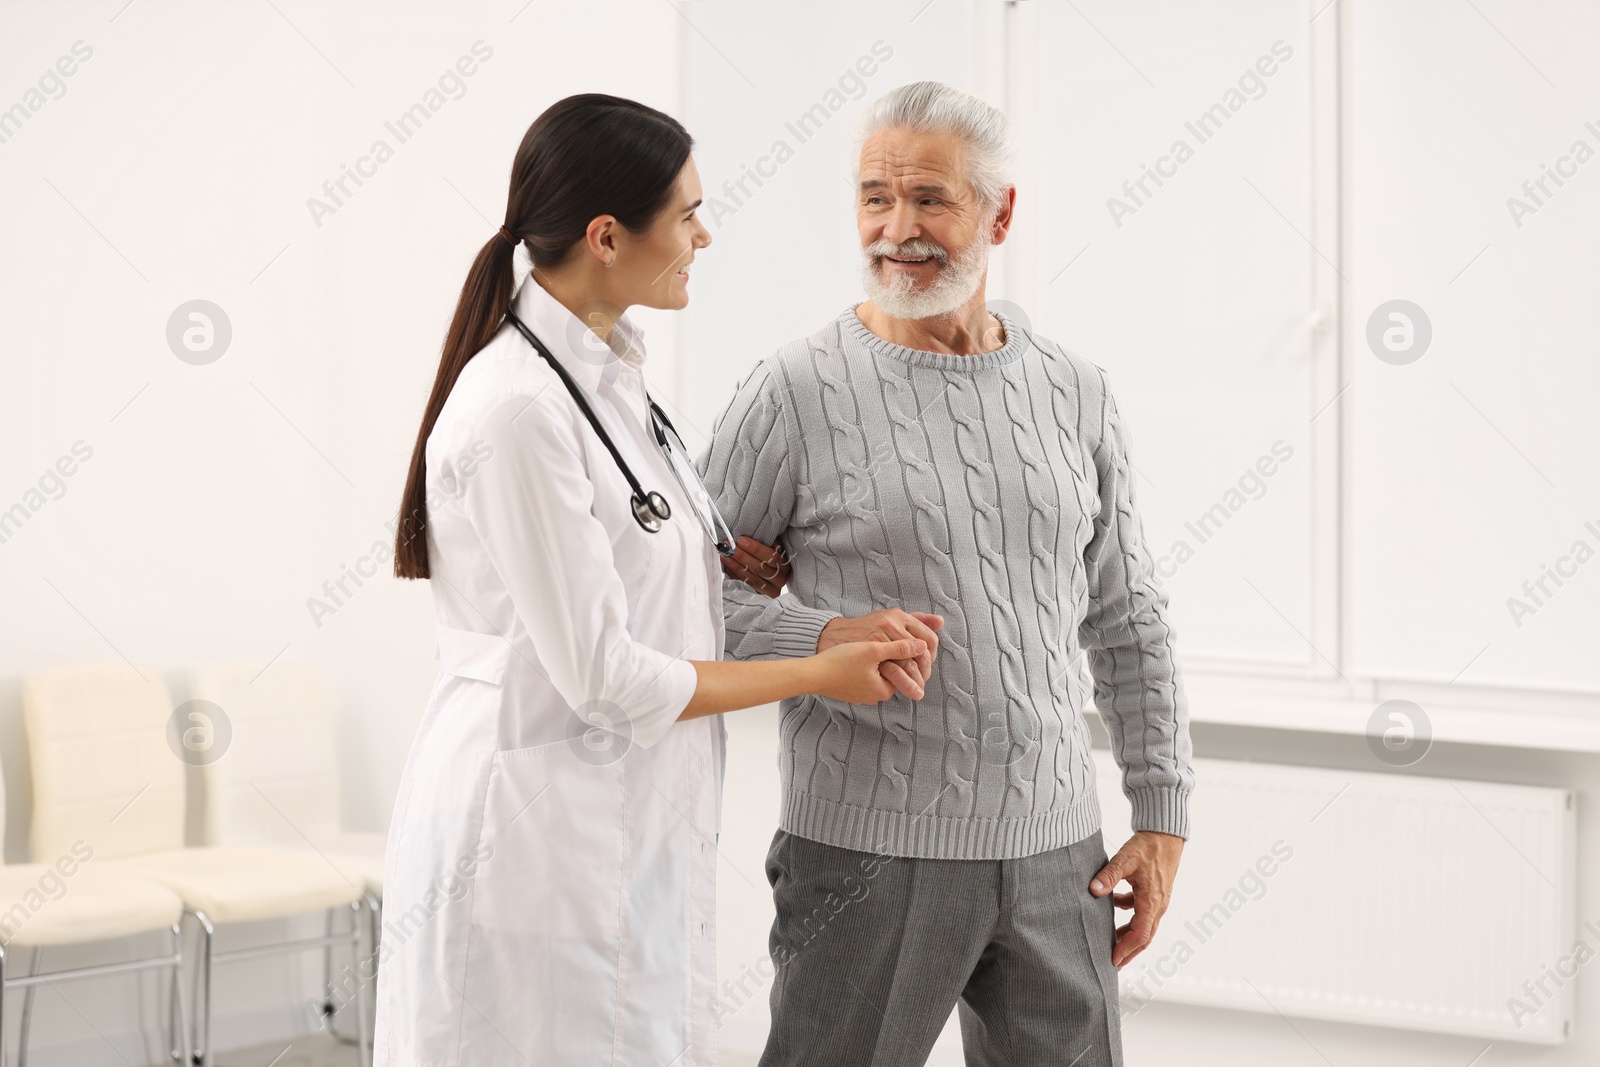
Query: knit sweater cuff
pixel 798 628
pixel 1165 810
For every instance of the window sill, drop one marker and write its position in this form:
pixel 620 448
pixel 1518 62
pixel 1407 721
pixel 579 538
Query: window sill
pixel 1234 703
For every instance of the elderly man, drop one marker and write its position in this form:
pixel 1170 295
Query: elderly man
pixel 920 453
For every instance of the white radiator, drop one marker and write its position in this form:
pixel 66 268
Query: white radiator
pixel 1385 899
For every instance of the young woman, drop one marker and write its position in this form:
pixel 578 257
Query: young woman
pixel 549 889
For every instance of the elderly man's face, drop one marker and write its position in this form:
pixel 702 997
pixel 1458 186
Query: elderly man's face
pixel 922 225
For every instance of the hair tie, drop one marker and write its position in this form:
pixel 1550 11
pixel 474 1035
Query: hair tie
pixel 509 236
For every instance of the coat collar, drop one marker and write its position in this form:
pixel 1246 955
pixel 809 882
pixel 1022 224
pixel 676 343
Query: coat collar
pixel 570 340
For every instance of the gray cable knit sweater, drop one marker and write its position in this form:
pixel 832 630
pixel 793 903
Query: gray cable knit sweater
pixel 991 489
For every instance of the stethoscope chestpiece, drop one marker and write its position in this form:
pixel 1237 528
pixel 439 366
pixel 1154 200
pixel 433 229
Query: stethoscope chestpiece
pixel 650 510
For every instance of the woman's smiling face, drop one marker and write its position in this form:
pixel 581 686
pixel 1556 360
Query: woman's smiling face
pixel 652 268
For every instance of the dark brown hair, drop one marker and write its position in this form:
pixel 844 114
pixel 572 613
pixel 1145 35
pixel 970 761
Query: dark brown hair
pixel 586 156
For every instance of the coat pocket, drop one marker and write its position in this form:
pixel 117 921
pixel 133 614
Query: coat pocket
pixel 547 911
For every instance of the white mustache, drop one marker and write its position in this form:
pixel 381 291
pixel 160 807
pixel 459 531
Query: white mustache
pixel 916 248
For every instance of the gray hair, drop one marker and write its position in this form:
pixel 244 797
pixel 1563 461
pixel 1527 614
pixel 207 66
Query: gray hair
pixel 933 107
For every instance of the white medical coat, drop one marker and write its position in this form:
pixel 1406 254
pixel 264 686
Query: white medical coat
pixel 549 886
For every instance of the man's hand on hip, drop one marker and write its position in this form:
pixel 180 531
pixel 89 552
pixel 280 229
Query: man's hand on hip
pixel 1148 863
pixel 891 624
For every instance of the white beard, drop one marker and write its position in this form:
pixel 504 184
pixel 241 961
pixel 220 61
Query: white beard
pixel 958 278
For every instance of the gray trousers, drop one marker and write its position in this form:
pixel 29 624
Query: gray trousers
pixel 873 951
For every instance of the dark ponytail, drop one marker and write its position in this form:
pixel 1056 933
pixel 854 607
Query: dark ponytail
pixel 586 156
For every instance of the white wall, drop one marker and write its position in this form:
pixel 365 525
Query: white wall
pixel 1472 473
pixel 218 500
pixel 785 260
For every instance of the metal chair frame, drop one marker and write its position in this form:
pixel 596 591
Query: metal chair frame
pixel 208 957
pixel 177 1023
pixel 329 1009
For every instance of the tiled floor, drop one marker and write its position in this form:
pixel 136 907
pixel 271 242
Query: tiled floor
pixel 323 1051
pixel 318 1051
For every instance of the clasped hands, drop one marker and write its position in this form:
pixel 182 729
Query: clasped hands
pixel 766 570
pixel 1148 862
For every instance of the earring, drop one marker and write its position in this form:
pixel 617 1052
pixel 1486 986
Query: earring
pixel 611 262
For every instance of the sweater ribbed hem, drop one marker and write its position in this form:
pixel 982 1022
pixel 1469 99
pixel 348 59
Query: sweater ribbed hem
pixel 899 833
pixel 1163 810
pixel 798 628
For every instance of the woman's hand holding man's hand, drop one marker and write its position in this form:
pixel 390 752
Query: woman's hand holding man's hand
pixel 765 569
pixel 907 675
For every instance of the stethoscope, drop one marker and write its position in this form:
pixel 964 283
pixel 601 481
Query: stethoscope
pixel 650 510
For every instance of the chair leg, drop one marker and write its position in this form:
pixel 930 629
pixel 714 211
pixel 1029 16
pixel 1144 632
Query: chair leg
pixel 34 955
pixel 374 931
pixel 201 1039
pixel 328 1009
pixel 177 1018
pixel 374 926
pixel 363 988
pixel 3 1056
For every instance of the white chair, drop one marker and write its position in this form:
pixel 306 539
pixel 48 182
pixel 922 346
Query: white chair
pixel 279 785
pixel 70 901
pixel 103 770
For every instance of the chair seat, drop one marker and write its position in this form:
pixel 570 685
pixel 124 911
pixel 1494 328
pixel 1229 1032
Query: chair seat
pixel 360 855
pixel 95 905
pixel 246 884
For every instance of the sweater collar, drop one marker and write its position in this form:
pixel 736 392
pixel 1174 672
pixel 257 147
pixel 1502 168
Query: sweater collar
pixel 1017 345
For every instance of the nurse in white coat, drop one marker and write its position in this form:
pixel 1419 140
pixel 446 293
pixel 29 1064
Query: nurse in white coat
pixel 550 879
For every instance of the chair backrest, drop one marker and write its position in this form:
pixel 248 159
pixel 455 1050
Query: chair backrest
pixel 103 772
pixel 278 781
